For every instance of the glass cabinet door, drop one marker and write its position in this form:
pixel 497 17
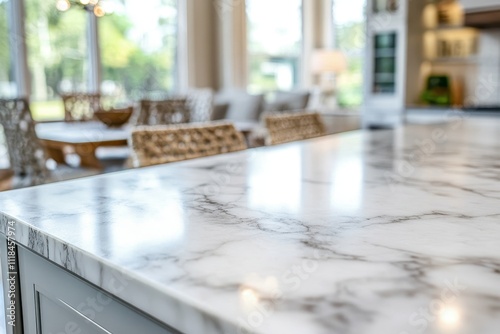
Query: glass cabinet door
pixel 384 76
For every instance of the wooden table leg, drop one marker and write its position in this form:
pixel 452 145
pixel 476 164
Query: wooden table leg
pixel 87 155
pixel 57 154
pixel 6 179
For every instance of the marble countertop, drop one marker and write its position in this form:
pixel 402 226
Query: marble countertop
pixel 363 232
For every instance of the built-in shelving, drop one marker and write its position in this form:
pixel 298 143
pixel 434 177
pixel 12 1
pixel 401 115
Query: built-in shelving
pixel 453 60
pixel 445 35
pixel 447 27
pixel 456 42
pixel 448 47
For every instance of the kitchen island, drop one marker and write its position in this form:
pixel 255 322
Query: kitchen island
pixel 391 231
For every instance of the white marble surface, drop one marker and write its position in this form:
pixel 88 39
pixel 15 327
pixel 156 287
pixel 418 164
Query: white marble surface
pixel 364 232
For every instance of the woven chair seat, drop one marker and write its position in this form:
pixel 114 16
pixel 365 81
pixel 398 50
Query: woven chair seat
pixel 163 144
pixel 287 127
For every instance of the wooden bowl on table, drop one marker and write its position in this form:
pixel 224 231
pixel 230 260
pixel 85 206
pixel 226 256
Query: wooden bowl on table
pixel 114 117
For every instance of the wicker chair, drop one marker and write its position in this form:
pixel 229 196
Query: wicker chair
pixel 163 144
pixel 80 106
pixel 165 112
pixel 201 103
pixel 26 154
pixel 28 159
pixel 287 127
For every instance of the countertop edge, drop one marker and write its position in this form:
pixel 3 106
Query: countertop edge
pixel 147 296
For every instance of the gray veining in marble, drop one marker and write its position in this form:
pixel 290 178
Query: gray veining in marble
pixel 364 232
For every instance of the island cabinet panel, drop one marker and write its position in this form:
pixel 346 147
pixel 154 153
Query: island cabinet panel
pixel 54 301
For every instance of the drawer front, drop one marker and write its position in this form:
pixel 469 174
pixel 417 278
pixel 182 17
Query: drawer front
pixel 57 302
pixel 57 318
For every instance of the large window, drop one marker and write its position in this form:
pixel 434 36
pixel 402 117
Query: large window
pixel 57 55
pixel 350 38
pixel 7 86
pixel 145 33
pixel 136 39
pixel 274 44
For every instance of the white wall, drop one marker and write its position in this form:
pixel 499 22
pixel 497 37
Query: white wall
pixel 197 45
pixel 487 90
pixel 317 34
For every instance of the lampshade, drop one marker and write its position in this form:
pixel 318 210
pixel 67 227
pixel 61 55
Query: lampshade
pixel 328 61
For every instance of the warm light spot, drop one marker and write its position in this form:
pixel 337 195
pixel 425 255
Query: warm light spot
pixel 429 16
pixel 98 11
pixel 84 2
pixel 63 5
pixel 249 299
pixel 249 296
pixel 450 317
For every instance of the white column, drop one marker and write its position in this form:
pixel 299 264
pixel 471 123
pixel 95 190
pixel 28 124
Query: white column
pixel 327 33
pixel 183 46
pixel 317 33
pixel 197 65
pixel 17 37
pixel 94 80
pixel 232 43
pixel 308 43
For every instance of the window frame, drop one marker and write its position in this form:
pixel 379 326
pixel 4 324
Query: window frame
pixel 19 58
pixel 357 56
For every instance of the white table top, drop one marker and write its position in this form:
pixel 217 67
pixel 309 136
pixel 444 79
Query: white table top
pixel 80 132
pixel 94 132
pixel 364 232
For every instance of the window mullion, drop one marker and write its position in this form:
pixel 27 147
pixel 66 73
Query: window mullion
pixel 94 54
pixel 17 36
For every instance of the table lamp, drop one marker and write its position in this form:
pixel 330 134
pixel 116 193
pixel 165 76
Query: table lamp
pixel 326 64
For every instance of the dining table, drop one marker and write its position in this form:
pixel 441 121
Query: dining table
pixel 84 138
